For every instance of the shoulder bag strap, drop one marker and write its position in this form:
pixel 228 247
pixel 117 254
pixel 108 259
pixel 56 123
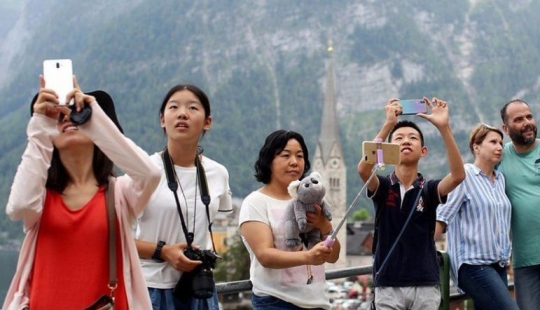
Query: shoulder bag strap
pixel 111 218
pixel 111 230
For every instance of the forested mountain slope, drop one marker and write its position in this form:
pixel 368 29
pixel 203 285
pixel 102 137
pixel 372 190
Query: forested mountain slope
pixel 263 65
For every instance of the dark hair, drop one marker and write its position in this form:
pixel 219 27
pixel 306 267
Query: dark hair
pixel 58 178
pixel 406 123
pixel 273 145
pixel 199 93
pixel 479 133
pixel 504 115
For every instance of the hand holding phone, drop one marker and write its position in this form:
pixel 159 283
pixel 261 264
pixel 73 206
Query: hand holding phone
pixel 58 75
pixel 413 106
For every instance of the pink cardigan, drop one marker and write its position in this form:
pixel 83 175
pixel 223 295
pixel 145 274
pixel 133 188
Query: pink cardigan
pixel 132 192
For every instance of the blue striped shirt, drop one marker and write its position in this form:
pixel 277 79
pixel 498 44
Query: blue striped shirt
pixel 477 215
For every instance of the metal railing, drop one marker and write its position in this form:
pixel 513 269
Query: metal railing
pixel 245 285
pixel 444 262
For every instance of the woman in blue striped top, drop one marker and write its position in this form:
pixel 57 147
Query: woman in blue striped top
pixel 477 220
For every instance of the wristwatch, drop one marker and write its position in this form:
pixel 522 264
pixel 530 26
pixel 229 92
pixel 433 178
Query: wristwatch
pixel 157 252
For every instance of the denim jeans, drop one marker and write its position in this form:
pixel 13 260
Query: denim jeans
pixel 527 285
pixel 487 285
pixel 163 299
pixel 272 303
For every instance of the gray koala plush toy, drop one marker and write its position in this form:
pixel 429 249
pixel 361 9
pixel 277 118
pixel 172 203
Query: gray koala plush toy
pixel 306 194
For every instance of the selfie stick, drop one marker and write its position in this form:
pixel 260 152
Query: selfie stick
pixel 380 164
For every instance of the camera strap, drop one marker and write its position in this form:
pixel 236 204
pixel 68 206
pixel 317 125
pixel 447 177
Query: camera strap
pixel 205 195
pixel 173 186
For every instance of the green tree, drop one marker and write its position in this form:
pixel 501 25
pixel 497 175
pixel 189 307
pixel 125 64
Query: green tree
pixel 360 215
pixel 235 263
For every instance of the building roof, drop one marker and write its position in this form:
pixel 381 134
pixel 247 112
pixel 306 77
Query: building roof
pixel 357 234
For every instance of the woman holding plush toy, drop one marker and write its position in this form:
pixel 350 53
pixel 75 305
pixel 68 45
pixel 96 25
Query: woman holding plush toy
pixel 283 277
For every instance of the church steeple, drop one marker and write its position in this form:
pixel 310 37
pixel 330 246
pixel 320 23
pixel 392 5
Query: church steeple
pixel 329 136
pixel 328 161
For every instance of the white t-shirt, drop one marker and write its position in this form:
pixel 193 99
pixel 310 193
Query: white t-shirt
pixel 160 219
pixel 289 284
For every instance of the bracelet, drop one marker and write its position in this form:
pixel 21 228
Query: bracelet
pixel 157 252
pixel 329 233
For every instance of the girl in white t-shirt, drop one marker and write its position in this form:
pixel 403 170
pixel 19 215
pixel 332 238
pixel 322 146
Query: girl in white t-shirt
pixel 283 278
pixel 161 238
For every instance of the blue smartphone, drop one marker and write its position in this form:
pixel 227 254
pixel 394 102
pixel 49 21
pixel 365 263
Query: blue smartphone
pixel 413 106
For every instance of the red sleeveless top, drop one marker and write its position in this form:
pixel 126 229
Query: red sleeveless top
pixel 71 265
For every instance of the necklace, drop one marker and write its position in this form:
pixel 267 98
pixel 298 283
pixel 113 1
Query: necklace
pixel 185 199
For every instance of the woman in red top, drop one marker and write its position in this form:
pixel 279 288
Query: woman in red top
pixel 59 193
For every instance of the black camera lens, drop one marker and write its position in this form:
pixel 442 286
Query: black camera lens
pixel 203 285
pixel 198 283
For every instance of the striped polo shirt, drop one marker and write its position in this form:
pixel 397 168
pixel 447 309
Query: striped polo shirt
pixel 477 215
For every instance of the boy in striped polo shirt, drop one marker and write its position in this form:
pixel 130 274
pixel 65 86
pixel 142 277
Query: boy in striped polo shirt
pixel 410 278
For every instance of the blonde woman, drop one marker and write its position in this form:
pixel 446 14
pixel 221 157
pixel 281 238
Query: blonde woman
pixel 476 217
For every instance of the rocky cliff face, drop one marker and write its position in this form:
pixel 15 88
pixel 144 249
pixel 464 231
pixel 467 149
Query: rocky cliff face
pixel 263 64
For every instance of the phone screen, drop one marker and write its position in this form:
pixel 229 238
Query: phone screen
pixel 413 106
pixel 58 74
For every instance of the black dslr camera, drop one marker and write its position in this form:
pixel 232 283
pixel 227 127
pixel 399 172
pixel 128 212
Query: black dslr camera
pixel 198 283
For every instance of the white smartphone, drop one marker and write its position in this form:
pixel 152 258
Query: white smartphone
pixel 390 152
pixel 58 74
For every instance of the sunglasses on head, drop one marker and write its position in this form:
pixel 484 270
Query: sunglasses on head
pixel 489 127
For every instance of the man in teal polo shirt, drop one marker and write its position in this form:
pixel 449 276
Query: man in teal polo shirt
pixel 521 167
